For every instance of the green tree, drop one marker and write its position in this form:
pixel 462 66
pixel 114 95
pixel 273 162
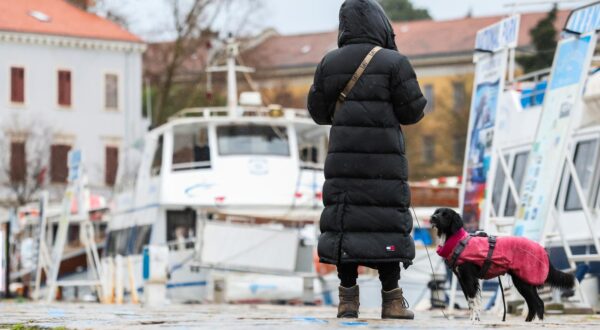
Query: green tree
pixel 543 36
pixel 403 10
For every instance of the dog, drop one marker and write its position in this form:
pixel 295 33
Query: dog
pixel 470 259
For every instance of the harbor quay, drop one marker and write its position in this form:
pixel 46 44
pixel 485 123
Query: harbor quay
pixel 15 315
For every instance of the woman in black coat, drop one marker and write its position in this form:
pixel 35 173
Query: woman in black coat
pixel 366 220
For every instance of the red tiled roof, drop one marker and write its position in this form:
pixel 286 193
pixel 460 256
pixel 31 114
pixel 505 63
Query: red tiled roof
pixel 414 39
pixel 64 20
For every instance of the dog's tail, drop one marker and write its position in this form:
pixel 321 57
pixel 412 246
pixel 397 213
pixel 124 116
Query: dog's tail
pixel 558 279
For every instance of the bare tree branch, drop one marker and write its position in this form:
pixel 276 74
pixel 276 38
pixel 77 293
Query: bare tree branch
pixel 36 137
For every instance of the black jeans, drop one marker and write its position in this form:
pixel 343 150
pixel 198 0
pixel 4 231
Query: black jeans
pixel 389 274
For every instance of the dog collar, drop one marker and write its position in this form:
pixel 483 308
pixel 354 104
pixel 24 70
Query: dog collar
pixel 445 250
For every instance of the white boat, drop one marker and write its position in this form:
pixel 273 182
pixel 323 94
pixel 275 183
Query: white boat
pixel 249 174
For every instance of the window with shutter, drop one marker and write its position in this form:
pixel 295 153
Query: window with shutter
pixel 59 171
pixel 17 85
pixel 18 162
pixel 64 88
pixel 111 91
pixel 112 165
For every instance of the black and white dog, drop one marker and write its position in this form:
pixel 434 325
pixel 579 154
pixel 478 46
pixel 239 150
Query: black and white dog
pixel 470 259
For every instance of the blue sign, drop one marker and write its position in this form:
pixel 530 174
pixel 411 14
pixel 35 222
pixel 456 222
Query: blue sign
pixel 570 57
pixel 503 34
pixel 585 19
pixel 74 158
pixel 74 164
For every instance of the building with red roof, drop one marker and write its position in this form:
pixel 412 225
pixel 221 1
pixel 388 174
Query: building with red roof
pixel 68 79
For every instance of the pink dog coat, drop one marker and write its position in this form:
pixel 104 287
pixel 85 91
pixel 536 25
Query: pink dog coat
pixel 522 257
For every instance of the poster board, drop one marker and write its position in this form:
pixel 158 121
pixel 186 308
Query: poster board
pixel 492 44
pixel 562 103
pixel 488 87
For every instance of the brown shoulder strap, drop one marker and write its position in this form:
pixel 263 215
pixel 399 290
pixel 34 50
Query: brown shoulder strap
pixel 359 72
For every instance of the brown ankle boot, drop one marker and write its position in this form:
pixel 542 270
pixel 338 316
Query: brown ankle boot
pixel 394 305
pixel 348 307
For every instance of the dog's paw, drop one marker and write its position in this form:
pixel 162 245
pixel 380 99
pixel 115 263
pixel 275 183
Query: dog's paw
pixel 475 309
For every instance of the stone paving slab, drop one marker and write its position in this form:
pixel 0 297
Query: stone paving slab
pixel 96 316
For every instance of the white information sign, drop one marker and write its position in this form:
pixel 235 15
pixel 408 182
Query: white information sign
pixel 561 104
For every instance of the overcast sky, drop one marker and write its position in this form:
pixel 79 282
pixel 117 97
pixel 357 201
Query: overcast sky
pixel 151 17
pixel 298 16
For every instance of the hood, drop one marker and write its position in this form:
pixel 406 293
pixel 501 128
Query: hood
pixel 364 21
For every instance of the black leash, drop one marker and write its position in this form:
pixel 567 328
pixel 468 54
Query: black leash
pixel 437 290
pixel 503 301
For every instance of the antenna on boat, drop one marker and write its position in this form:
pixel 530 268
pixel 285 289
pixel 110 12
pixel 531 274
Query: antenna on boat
pixel 231 68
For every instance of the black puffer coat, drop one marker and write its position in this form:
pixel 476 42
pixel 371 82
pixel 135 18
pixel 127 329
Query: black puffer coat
pixel 366 219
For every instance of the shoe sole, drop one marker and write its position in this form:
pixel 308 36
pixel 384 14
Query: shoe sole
pixel 397 318
pixel 348 316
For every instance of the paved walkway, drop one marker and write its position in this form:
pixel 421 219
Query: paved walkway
pixel 95 316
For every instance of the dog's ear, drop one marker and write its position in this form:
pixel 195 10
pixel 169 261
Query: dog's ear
pixel 456 222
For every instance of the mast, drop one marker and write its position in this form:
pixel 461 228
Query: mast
pixel 232 96
pixel 231 68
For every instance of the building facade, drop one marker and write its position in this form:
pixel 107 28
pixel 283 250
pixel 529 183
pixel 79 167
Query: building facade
pixel 68 79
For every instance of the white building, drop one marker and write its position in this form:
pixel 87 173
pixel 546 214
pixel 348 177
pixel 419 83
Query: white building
pixel 68 79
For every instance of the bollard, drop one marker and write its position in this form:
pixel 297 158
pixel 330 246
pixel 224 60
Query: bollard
pixel 155 269
pixel 107 279
pixel 132 285
pixel 119 279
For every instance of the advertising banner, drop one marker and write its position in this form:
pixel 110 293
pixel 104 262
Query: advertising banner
pixel 584 20
pixel 502 35
pixel 562 103
pixel 490 71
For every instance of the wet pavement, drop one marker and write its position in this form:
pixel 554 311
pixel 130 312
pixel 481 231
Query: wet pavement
pixel 95 316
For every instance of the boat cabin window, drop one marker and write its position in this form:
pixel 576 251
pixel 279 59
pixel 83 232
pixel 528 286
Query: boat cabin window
pixel 585 163
pixel 128 241
pixel 117 242
pixel 253 140
pixel 142 238
pixel 181 228
pixel 518 174
pixel 190 148
pixel 157 158
pixel 309 154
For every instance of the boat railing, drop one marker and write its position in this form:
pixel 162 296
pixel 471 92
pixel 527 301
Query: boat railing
pixel 534 76
pixel 245 111
pixel 182 244
pixel 191 166
pixel 312 166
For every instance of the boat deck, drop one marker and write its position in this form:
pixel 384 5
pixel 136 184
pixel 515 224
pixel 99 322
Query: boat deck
pixel 96 316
